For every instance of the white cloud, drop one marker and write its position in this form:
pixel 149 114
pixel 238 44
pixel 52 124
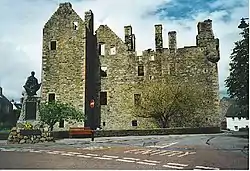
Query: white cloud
pixel 21 34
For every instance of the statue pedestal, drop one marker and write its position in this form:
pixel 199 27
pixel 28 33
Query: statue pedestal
pixel 30 110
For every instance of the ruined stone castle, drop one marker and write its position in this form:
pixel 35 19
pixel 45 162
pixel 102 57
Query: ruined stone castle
pixel 80 65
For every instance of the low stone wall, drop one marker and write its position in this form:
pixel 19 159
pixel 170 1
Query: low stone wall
pixel 166 131
pixel 15 137
pixel 144 132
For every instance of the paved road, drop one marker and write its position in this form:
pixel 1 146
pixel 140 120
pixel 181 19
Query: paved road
pixel 217 151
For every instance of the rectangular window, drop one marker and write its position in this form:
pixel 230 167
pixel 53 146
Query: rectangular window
pixel 104 71
pixel 53 45
pixel 103 123
pixel 140 70
pixel 134 122
pixel 137 99
pixel 102 49
pixel 51 97
pixel 112 50
pixel 61 124
pixel 103 98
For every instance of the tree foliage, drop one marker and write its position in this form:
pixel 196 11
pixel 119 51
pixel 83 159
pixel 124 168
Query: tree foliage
pixel 172 102
pixel 53 112
pixel 238 79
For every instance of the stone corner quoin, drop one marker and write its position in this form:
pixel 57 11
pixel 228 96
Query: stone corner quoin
pixel 79 65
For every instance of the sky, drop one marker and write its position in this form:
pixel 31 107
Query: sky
pixel 22 22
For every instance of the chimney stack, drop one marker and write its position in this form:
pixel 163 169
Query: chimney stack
pixel 172 40
pixel 158 37
pixel 129 38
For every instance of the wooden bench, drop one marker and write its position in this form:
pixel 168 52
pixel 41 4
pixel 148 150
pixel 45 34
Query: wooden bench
pixel 81 131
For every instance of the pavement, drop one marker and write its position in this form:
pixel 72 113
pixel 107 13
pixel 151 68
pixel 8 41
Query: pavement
pixel 169 152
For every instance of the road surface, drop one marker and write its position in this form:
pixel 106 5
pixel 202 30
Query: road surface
pixel 177 152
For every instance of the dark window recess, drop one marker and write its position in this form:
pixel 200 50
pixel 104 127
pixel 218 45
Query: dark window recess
pixel 103 98
pixel 134 122
pixel 137 99
pixel 104 124
pixel 52 97
pixel 140 71
pixel 99 49
pixel 53 45
pixel 103 73
pixel 61 124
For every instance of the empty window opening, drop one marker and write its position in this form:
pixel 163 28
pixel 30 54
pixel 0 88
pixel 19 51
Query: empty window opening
pixel 140 58
pixel 104 71
pixel 52 97
pixel 137 99
pixel 151 77
pixel 103 98
pixel 134 122
pixel 113 50
pixel 140 70
pixel 102 49
pixel 53 45
pixel 152 58
pixel 75 25
pixel 236 127
pixel 61 124
pixel 104 124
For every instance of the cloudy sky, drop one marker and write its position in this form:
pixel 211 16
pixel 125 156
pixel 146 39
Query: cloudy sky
pixel 22 22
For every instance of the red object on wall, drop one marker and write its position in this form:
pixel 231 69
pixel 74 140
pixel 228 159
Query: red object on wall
pixel 92 103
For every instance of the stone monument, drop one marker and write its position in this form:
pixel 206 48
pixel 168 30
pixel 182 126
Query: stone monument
pixel 30 102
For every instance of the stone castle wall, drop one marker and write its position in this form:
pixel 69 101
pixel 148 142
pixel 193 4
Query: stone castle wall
pixel 88 55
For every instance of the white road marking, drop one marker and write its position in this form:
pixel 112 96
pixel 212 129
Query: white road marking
pixel 174 167
pixel 152 161
pixel 35 151
pixel 58 152
pixel 128 158
pixel 158 152
pixel 74 153
pixel 168 145
pixel 67 154
pixel 169 152
pixel 129 151
pixel 83 156
pixel 92 154
pixel 147 151
pixel 143 151
pixel 51 152
pixel 146 163
pixel 114 157
pixel 204 167
pixel 129 161
pixel 187 153
pixel 178 164
pixel 103 158
pixel 175 152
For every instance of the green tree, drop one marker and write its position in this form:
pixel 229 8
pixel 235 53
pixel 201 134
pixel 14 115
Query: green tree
pixel 172 102
pixel 53 112
pixel 238 79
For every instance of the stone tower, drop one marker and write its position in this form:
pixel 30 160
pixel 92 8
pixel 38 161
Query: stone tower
pixel 68 41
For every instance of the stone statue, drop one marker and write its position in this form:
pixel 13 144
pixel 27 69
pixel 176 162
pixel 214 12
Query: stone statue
pixel 31 86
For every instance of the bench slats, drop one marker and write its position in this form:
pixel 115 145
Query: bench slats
pixel 81 131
